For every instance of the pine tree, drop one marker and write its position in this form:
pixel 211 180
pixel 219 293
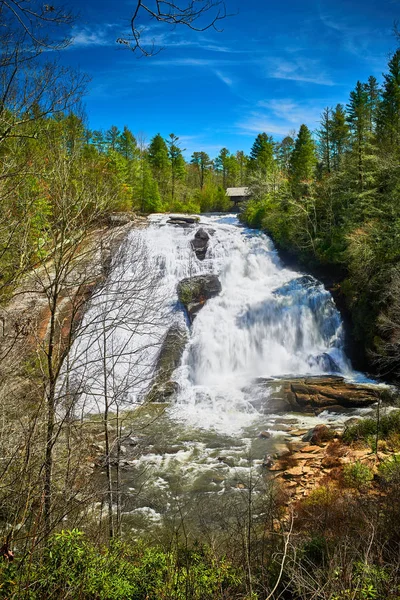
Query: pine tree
pixel 284 153
pixel 340 135
pixel 242 162
pixel 373 95
pixel 159 161
pixel 177 162
pixel 221 165
pixel 112 137
pixel 202 163
pixel 303 161
pixel 262 155
pixel 358 119
pixel 389 109
pixel 325 140
pixel 127 145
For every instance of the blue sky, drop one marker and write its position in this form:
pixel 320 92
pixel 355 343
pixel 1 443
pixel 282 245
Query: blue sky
pixel 275 65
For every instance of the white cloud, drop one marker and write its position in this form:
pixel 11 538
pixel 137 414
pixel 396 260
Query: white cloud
pixel 279 117
pixel 227 80
pixel 98 36
pixel 300 69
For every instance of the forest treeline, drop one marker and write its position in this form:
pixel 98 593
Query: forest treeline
pixel 330 197
pixel 332 200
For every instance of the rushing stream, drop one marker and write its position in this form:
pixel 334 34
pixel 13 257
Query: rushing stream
pixel 267 322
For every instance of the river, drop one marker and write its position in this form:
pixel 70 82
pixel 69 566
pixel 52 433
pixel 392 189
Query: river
pixel 268 322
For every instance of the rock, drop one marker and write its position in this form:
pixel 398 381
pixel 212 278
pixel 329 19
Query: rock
pixel 318 434
pixel 168 360
pixel 200 243
pixel 193 292
pixel 265 435
pixel 268 461
pixel 311 449
pixel 330 392
pixel 183 221
pixel 293 472
pixel 118 219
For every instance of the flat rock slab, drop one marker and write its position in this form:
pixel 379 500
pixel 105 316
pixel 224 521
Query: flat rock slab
pixel 330 392
pixel 183 221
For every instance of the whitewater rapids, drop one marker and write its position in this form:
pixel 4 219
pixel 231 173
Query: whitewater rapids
pixel 268 321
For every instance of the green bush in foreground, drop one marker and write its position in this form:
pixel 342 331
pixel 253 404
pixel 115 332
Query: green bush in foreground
pixel 357 475
pixel 72 567
pixel 366 429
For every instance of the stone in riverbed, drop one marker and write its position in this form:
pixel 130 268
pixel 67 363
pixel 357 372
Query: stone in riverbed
pixel 328 392
pixel 200 243
pixel 169 357
pixel 319 434
pixel 193 292
pixel 183 221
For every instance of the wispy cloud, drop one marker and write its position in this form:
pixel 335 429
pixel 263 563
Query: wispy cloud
pixel 300 69
pixel 101 35
pixel 279 117
pixel 227 80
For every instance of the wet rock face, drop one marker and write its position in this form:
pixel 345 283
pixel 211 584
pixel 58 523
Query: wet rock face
pixel 193 292
pixel 169 357
pixel 200 243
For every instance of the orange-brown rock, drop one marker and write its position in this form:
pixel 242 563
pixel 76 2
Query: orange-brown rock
pixel 332 391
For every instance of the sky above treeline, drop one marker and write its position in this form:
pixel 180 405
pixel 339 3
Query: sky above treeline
pixel 275 65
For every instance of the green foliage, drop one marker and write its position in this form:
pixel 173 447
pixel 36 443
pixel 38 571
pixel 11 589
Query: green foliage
pixel 389 470
pixel 357 475
pixel 366 428
pixel 73 567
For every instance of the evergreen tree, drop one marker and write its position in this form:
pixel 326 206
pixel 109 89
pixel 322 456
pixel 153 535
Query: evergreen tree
pixel 284 153
pixel 202 163
pixel 159 161
pixel 389 109
pixel 242 162
pixel 340 134
pixel 262 154
pixel 303 161
pixel 221 165
pixel 373 95
pixel 112 137
pixel 177 162
pixel 325 140
pixel 358 119
pixel 127 145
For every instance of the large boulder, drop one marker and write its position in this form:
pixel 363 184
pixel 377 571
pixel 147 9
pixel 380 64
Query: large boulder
pixel 319 393
pixel 169 358
pixel 193 292
pixel 200 243
pixel 313 394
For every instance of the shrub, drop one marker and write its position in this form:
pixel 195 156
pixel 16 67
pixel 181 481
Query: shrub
pixel 357 475
pixel 73 567
pixel 366 429
pixel 389 470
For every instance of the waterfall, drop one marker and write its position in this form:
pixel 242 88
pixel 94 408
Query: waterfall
pixel 268 321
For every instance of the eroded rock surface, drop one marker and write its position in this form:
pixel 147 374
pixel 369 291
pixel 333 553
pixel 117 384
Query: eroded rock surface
pixel 193 292
pixel 330 392
pixel 168 360
pixel 200 243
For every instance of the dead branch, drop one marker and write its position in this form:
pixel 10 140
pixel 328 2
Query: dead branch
pixel 197 15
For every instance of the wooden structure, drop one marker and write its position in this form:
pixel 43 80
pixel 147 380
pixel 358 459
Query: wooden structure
pixel 238 195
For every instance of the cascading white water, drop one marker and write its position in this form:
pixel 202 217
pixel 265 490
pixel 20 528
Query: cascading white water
pixel 268 321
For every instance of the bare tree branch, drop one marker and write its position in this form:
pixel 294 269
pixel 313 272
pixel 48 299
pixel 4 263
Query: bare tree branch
pixel 197 15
